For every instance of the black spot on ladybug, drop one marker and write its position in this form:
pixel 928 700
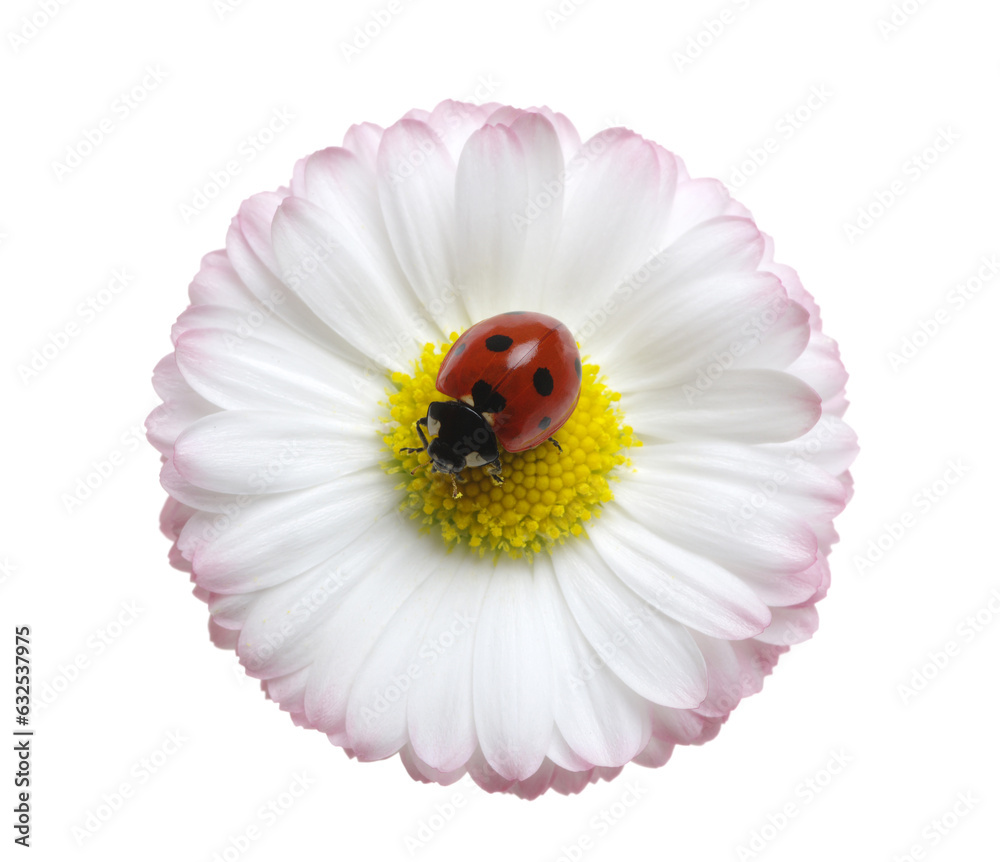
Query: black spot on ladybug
pixel 578 367
pixel 486 399
pixel 499 343
pixel 546 421
pixel 543 381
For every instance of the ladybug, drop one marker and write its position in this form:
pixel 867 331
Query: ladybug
pixel 515 379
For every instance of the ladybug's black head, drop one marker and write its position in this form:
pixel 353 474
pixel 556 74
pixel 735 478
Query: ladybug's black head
pixel 463 437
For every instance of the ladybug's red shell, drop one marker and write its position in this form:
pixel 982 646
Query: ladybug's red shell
pixel 521 370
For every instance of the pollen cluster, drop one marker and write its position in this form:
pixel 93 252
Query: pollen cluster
pixel 546 494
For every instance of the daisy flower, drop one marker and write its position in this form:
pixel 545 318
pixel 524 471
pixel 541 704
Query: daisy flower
pixel 598 602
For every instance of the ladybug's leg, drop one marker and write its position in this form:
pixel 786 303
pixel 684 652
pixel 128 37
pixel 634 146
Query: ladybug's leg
pixel 455 493
pixel 495 471
pixel 421 424
pixel 555 443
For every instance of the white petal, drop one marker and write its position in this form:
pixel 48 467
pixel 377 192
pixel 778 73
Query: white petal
pixel 425 773
pixel 440 717
pixel 173 517
pixel 618 195
pixel 776 338
pixel 656 753
pixel 574 782
pixel 182 490
pixel 819 365
pixel 217 283
pixel 535 785
pixel 682 726
pixel 752 473
pixel 274 537
pixel 689 588
pixel 376 708
pixel 393 570
pixel 789 590
pixel 736 670
pixel 540 217
pixel 700 333
pixel 696 201
pixel 491 185
pixel 363 140
pixel 486 776
pixel 231 611
pixel 698 302
pixel 249 373
pixel 239 327
pixel 560 752
pixel 289 691
pixel 181 405
pixel 339 183
pixel 281 624
pixel 603 721
pixel 221 637
pixel 350 282
pixel 509 198
pixel 651 653
pixel 791 626
pixel 360 384
pixel 569 137
pixel 416 187
pixel 768 544
pixel 251 252
pixel 258 452
pixel 830 445
pixel 512 674
pixel 745 406
pixel 453 122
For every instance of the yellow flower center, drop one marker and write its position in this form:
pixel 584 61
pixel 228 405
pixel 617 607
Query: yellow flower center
pixel 546 494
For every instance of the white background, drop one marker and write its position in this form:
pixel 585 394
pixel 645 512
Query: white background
pixel 69 567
